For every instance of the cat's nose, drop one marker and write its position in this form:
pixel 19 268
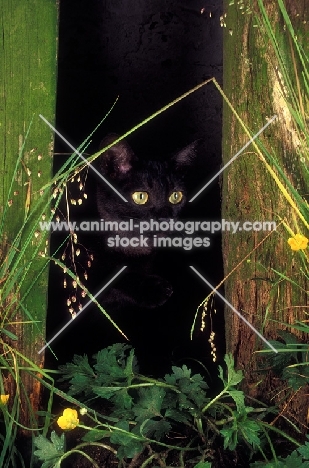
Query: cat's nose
pixel 165 213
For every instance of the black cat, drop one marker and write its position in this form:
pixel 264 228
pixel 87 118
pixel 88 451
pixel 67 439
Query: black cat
pixel 153 300
pixel 154 190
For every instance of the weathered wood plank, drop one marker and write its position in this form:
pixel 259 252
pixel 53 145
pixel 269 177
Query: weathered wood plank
pixel 27 87
pixel 253 82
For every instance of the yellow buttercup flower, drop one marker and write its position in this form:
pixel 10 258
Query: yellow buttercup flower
pixel 4 399
pixel 68 420
pixel 298 242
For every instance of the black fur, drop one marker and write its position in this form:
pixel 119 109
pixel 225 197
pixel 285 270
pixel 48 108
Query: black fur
pixel 140 284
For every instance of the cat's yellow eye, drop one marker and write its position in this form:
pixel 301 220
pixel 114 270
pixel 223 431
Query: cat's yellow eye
pixel 175 197
pixel 140 198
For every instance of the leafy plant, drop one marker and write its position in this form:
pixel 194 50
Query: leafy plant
pixel 298 458
pixel 291 361
pixel 49 451
pixel 159 419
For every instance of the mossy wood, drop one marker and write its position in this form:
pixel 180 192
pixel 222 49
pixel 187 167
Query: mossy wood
pixel 252 82
pixel 28 88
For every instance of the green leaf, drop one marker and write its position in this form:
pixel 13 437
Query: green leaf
pixel 294 460
pixel 123 404
pixel 287 352
pixel 288 337
pixel 181 372
pixel 9 334
pixel 57 441
pixel 133 448
pixel 241 427
pixel 155 429
pixel 230 436
pixel 131 367
pixel 129 445
pixel 233 377
pixel 114 365
pixel 178 416
pixel 80 374
pixel 149 404
pixel 120 398
pixel 192 388
pixel 239 398
pixel 304 451
pixel 296 376
pixel 119 437
pixel 49 452
pixel 94 435
pixel 250 432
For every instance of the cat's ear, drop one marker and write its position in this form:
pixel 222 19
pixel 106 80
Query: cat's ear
pixel 185 157
pixel 118 159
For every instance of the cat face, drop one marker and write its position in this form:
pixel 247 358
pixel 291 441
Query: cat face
pixel 154 189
